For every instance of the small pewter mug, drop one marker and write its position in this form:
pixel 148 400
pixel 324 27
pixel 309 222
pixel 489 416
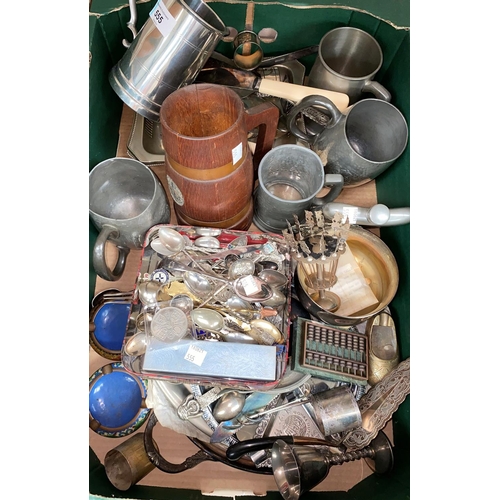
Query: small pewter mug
pixel 125 200
pixel 290 178
pixel 359 145
pixel 348 60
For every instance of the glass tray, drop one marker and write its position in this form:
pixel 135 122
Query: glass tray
pixel 195 354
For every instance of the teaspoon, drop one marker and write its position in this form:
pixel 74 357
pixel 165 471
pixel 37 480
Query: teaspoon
pixel 228 406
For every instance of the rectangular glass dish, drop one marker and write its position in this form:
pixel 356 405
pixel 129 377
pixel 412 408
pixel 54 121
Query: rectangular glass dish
pixel 162 343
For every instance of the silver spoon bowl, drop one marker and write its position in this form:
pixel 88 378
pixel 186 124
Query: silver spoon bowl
pixel 136 345
pixel 148 292
pixel 207 319
pixel 172 240
pixel 207 242
pixel 237 303
pixel 183 302
pixel 198 284
pixel 228 406
pixel 252 289
pixel 273 278
pixel 241 267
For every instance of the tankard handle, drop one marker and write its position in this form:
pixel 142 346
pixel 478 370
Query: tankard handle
pixel 378 90
pixel 99 258
pixel 266 117
pixel 336 183
pixel 307 102
pixel 131 23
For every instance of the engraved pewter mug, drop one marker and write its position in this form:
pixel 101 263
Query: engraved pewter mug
pixel 360 144
pixel 167 53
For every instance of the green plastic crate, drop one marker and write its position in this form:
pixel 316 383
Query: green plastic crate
pixel 299 24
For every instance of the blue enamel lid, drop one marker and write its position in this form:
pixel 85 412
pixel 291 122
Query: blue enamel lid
pixel 115 401
pixel 110 325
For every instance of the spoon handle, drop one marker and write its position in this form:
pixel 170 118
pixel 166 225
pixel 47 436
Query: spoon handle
pixel 296 402
pixel 234 251
pixel 212 295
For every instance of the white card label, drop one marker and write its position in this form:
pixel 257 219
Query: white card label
pixel 237 153
pixel 195 355
pixel 249 285
pixel 162 18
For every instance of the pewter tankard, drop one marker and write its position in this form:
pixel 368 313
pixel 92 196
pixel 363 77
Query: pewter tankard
pixel 125 200
pixel 348 60
pixel 290 178
pixel 359 145
pixel 167 53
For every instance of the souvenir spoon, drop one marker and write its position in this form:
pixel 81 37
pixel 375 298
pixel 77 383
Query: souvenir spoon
pixel 183 302
pixel 237 303
pixel 148 292
pixel 253 402
pixel 250 288
pixel 245 314
pixel 228 406
pixel 207 242
pixel 251 414
pixel 160 248
pixel 277 299
pixel 213 322
pixel 198 284
pixel 208 231
pixel 261 330
pixel 178 268
pixel 241 267
pixel 175 242
pixel 236 251
pixel 207 319
pixel 273 278
pixel 136 345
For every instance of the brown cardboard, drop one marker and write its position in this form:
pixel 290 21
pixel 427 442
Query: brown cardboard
pixel 210 477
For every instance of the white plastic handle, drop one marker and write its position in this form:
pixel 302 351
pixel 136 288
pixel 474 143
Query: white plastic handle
pixel 296 93
pixel 377 215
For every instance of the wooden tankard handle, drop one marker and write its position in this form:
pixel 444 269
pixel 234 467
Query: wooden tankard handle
pixel 266 117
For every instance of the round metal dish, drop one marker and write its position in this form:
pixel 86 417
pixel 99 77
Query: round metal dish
pixel 379 268
pixel 108 322
pixel 116 401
